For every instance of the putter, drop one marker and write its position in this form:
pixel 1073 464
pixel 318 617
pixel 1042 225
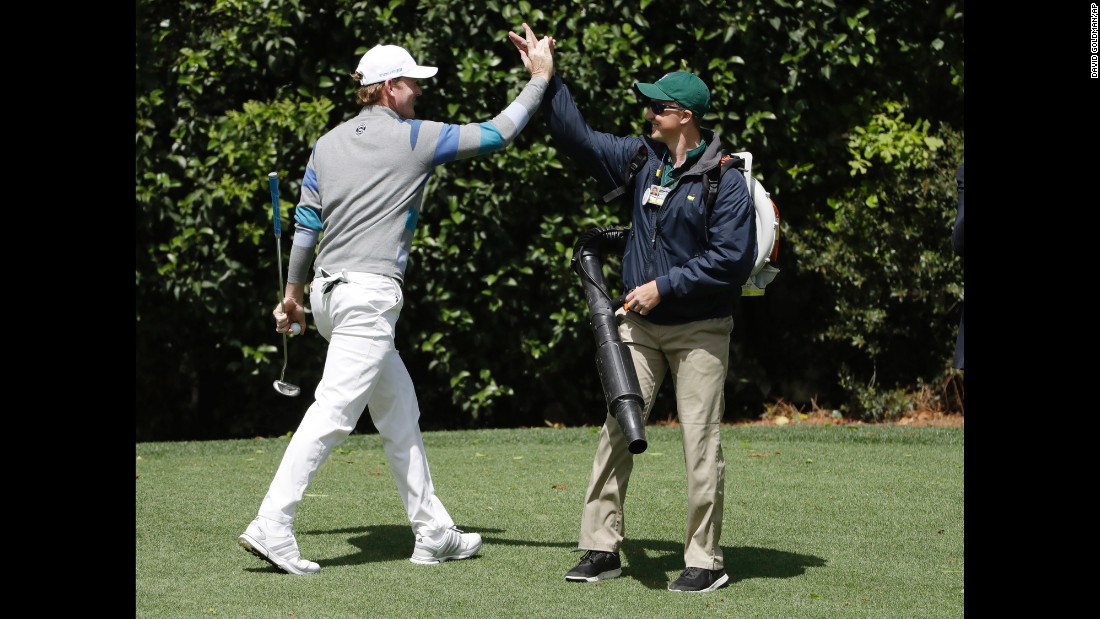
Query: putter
pixel 281 385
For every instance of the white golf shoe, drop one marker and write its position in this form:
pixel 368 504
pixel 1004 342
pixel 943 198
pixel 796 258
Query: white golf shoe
pixel 450 545
pixel 280 551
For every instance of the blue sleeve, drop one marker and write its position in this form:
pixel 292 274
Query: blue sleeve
pixel 308 216
pixel 464 141
pixel 453 142
pixel 604 156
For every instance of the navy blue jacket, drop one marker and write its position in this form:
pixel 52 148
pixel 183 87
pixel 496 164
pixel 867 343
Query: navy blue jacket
pixel 697 278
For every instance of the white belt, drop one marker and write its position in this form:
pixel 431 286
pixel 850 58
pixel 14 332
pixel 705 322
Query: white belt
pixel 331 280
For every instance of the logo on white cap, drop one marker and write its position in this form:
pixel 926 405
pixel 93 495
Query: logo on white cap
pixel 386 62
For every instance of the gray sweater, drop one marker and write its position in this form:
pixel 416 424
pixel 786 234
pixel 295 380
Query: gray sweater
pixel 364 183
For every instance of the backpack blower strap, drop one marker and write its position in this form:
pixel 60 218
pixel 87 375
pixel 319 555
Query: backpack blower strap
pixel 635 164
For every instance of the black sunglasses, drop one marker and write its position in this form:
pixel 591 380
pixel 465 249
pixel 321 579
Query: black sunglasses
pixel 659 108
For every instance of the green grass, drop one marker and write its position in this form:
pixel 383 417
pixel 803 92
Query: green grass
pixel 825 522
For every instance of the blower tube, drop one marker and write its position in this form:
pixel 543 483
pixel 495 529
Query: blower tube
pixel 620 381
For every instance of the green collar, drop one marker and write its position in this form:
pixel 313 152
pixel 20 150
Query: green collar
pixel 673 174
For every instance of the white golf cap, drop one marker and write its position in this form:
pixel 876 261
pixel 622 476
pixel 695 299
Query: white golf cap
pixel 385 62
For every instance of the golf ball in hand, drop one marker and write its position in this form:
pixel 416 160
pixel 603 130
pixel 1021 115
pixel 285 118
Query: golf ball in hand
pixel 295 328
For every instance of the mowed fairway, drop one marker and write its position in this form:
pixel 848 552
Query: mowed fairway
pixel 829 522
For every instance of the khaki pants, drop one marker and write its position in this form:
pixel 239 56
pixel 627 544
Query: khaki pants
pixel 697 354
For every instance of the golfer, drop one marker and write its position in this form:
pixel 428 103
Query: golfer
pixel 362 195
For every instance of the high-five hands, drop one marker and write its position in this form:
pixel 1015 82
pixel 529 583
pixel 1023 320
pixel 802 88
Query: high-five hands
pixel 537 55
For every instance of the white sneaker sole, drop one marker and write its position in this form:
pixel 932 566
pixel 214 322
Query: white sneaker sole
pixel 256 548
pixel 438 560
pixel 598 577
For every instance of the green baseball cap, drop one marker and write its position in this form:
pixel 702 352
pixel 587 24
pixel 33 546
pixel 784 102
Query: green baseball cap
pixel 683 88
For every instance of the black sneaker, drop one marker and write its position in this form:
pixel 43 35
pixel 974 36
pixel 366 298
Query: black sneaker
pixel 699 580
pixel 594 566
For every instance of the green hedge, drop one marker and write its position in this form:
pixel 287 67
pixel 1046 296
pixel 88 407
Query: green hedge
pixel 854 116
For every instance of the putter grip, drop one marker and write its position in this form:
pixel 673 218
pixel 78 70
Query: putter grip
pixel 273 182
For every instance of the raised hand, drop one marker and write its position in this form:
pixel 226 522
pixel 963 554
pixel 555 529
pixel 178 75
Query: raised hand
pixel 537 55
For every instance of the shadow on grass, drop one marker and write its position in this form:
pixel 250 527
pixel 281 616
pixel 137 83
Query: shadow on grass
pixel 384 542
pixel 645 560
pixel 650 561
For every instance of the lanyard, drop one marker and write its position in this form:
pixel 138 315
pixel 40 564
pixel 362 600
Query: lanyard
pixel 667 178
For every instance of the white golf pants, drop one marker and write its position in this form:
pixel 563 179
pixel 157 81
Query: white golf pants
pixel 358 316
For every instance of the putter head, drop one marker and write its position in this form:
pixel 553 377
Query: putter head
pixel 287 389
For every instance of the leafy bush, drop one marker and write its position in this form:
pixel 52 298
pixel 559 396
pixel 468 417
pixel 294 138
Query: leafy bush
pixel 886 259
pixel 494 331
